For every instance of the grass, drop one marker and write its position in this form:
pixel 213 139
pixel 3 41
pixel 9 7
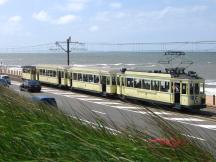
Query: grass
pixel 33 132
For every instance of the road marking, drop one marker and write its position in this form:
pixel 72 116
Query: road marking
pixel 75 96
pixel 96 125
pixel 16 83
pixel 185 119
pixel 90 99
pixel 107 103
pixel 99 112
pixel 198 138
pixel 213 127
pixel 125 107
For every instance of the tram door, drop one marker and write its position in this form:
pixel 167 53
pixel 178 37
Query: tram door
pixel 103 83
pixel 177 92
pixel 59 77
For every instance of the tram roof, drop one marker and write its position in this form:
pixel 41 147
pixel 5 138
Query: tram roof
pixel 52 66
pixel 97 69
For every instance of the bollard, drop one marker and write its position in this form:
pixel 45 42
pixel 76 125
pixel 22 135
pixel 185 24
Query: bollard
pixel 213 99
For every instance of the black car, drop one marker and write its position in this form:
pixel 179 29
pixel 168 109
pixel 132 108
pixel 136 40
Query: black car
pixel 31 86
pixel 4 83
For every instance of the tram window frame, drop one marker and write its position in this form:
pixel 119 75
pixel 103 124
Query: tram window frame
pixel 91 78
pixel 155 85
pixel 137 83
pixel 75 76
pixel 130 82
pixel 96 79
pixel 191 88
pixel 146 84
pixel 44 72
pixel 85 77
pixel 184 90
pixel 113 80
pixel 202 88
pixel 40 71
pixel 54 73
pixel 108 81
pixel 80 78
pixel 196 88
pixel 164 86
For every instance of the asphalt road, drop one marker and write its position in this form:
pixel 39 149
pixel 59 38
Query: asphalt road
pixel 121 116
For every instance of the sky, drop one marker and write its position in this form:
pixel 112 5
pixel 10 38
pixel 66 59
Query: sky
pixel 30 22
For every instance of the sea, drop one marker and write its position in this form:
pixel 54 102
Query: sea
pixel 204 63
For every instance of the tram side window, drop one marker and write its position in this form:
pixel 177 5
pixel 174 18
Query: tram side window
pixel 113 80
pixel 197 88
pixel 85 77
pixel 191 88
pixel 43 72
pixel 184 88
pixel 146 84
pixel 108 80
pixel 96 79
pixel 155 85
pixel 54 73
pixel 40 71
pixel 91 78
pixel 202 88
pixel 137 83
pixel 165 86
pixel 62 74
pixel 80 77
pixel 130 82
pixel 74 76
pixel 26 70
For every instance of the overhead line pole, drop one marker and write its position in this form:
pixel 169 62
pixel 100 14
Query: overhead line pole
pixel 66 50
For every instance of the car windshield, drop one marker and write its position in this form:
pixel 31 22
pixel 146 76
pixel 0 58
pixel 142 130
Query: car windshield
pixel 33 82
pixel 5 77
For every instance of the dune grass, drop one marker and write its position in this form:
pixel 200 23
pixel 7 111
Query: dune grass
pixel 33 132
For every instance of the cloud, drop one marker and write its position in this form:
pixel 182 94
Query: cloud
pixel 75 5
pixel 172 12
pixel 66 19
pixel 2 2
pixel 115 5
pixel 94 28
pixel 41 16
pixel 15 19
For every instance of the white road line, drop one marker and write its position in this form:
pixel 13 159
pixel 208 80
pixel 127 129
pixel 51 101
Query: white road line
pixel 185 119
pixel 99 112
pixel 124 107
pixel 107 103
pixel 95 124
pixel 211 127
pixel 75 96
pixel 90 99
pixel 198 138
pixel 160 113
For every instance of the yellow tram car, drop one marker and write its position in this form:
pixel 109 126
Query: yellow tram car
pixel 93 79
pixel 173 87
pixel 180 89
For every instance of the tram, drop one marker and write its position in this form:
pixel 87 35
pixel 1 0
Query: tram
pixel 174 87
